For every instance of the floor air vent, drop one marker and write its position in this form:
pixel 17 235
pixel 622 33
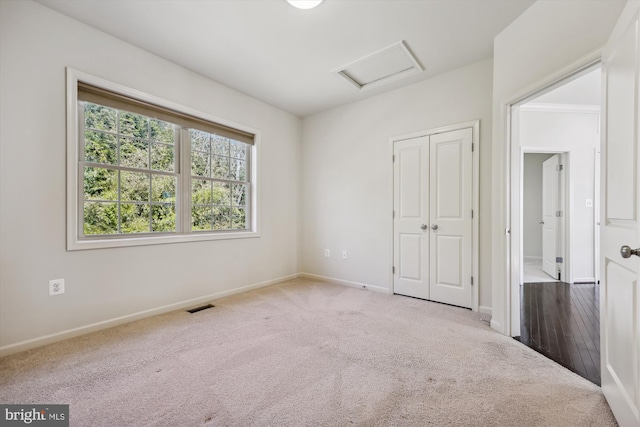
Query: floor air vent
pixel 197 309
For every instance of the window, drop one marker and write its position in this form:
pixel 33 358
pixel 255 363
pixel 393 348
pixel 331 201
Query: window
pixel 219 182
pixel 128 169
pixel 147 171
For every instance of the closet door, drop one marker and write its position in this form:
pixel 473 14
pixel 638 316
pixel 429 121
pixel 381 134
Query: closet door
pixel 411 215
pixel 432 217
pixel 450 205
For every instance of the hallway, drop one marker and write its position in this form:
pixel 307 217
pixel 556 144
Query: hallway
pixel 562 322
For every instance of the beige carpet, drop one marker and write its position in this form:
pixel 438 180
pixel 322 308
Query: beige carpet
pixel 304 353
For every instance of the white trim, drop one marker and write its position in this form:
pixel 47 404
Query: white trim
pixel 475 221
pixel 351 284
pixel 562 108
pixel 70 333
pixel 475 189
pixel 484 310
pixel 74 183
pixel 502 277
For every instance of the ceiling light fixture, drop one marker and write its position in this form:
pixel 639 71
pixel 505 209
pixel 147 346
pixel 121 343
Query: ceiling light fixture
pixel 305 4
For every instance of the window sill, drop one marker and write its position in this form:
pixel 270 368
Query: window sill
pixel 78 245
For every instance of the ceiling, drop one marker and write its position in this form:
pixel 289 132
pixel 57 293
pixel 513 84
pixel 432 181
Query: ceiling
pixel 583 90
pixel 286 56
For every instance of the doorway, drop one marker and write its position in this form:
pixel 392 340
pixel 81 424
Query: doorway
pixel 543 213
pixel 556 136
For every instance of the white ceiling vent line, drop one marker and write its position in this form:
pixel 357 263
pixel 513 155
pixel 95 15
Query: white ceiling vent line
pixel 384 66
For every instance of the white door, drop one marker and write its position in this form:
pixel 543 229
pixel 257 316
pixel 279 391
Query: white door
pixel 432 217
pixel 549 219
pixel 450 206
pixel 619 290
pixel 411 215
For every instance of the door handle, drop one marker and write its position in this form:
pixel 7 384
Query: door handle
pixel 626 251
pixel 434 227
pixel 423 226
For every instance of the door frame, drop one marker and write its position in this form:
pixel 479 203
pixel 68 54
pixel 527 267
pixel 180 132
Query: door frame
pixel 509 293
pixel 567 195
pixel 475 188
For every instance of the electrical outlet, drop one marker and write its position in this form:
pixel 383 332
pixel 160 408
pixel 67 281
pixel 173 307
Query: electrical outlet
pixel 588 203
pixel 327 253
pixel 344 254
pixel 56 287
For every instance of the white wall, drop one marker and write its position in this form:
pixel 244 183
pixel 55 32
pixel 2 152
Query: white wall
pixel 532 204
pixel 578 133
pixel 347 173
pixel 36 44
pixel 546 38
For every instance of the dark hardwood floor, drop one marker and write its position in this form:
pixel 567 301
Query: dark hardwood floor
pixel 562 322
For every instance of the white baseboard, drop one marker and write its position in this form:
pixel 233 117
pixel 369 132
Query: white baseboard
pixel 344 282
pixel 70 333
pixel 484 310
pixel 496 326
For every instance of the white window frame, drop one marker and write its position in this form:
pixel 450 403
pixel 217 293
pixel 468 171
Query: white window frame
pixel 75 181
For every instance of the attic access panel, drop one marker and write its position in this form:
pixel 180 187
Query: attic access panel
pixel 384 66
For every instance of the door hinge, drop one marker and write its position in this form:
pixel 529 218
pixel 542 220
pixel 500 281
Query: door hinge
pixel 559 214
pixel 393 270
pixel 559 168
pixel 471 280
pixel 473 146
pixel 471 213
pixel 393 214
pixel 393 158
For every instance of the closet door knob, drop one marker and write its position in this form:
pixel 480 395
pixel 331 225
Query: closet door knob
pixel 434 227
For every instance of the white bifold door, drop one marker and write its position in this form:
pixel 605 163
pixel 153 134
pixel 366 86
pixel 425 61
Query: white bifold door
pixel 433 217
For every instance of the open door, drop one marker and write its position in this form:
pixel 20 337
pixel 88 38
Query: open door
pixel 620 232
pixel 550 185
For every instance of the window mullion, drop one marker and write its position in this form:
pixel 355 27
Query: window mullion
pixel 119 198
pixel 80 168
pixel 184 147
pixel 150 175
